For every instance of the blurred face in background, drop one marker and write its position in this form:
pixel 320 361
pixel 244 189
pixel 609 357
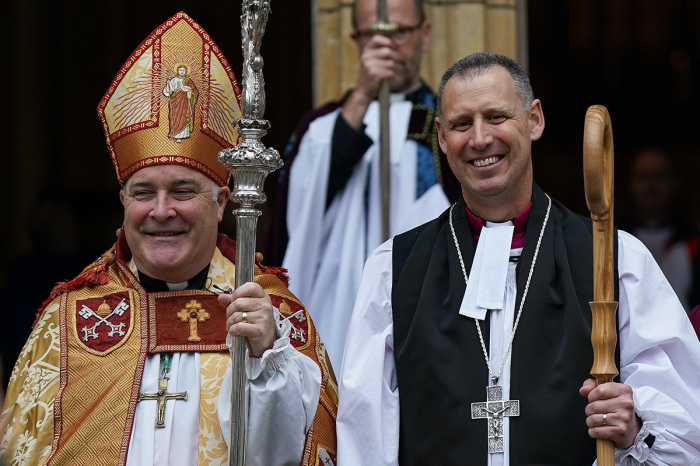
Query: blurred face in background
pixel 652 186
pixel 412 40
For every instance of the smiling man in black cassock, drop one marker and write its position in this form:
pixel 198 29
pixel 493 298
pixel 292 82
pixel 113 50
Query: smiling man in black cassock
pixel 470 338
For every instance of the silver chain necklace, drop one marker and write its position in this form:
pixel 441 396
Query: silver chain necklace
pixel 494 409
pixel 495 378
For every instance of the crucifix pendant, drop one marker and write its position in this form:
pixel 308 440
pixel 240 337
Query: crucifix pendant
pixel 162 397
pixel 494 409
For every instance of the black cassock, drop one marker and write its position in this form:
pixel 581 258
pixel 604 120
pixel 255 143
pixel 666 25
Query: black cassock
pixel 440 364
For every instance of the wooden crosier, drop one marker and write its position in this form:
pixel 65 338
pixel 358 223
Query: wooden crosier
pixel 599 184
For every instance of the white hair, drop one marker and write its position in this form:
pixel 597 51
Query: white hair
pixel 215 190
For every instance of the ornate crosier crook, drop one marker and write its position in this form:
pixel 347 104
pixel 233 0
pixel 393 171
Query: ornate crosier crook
pixel 249 163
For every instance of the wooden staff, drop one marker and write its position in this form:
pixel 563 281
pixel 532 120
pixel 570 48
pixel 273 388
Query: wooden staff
pixel 598 182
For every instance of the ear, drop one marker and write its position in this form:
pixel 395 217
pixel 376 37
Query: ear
pixel 122 195
pixel 536 118
pixel 426 32
pixel 221 201
pixel 441 135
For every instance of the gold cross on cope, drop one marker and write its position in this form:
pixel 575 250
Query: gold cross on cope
pixel 162 397
pixel 494 409
pixel 193 313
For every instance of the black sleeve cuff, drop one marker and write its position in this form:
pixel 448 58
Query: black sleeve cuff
pixel 649 440
pixel 348 145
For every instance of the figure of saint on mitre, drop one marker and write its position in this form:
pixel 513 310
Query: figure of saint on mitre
pixel 182 94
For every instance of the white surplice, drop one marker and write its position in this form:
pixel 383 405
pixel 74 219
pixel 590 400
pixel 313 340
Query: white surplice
pixel 283 392
pixel 660 360
pixel 327 249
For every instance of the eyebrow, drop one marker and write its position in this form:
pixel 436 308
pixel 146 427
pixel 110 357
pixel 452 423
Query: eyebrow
pixel 140 184
pixel 183 181
pixel 453 119
pixel 174 183
pixel 489 109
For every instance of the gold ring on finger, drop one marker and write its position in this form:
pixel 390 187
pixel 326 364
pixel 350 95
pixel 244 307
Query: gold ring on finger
pixel 605 419
pixel 244 317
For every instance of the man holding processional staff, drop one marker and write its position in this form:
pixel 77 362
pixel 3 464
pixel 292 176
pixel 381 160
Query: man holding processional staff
pixel 470 340
pixel 330 196
pixel 128 363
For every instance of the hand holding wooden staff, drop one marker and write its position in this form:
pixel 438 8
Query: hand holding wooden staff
pixel 610 411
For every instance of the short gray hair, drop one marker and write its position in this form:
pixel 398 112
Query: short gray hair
pixel 475 64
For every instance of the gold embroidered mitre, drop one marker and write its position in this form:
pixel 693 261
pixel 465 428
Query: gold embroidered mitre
pixel 175 100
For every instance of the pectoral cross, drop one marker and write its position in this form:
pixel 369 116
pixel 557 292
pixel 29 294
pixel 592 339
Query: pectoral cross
pixel 162 397
pixel 494 409
pixel 193 313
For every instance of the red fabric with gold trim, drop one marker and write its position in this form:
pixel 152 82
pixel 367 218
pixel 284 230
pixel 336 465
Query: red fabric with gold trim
pixel 174 101
pixel 186 321
pixel 101 323
pixel 296 314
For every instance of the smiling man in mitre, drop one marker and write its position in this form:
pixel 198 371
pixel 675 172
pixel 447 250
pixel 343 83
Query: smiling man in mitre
pixel 128 363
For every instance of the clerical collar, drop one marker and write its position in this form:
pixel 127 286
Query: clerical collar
pixel 519 224
pixel 400 97
pixel 153 284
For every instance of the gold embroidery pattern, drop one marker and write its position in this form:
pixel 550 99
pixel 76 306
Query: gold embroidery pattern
pixel 27 419
pixel 29 411
pixel 135 121
pixel 212 446
pixel 193 313
pixel 97 393
pixel 222 272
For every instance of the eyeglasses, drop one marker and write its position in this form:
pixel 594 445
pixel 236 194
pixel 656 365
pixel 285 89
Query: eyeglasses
pixel 400 36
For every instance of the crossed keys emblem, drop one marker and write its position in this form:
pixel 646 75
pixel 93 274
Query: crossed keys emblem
pixel 296 333
pixel 91 332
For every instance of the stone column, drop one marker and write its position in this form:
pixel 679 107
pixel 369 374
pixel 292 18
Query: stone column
pixel 460 27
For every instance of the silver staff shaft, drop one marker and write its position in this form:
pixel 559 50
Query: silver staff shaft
pixel 249 163
pixel 385 159
pixel 383 27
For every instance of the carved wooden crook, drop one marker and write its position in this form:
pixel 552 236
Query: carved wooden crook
pixel 598 182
